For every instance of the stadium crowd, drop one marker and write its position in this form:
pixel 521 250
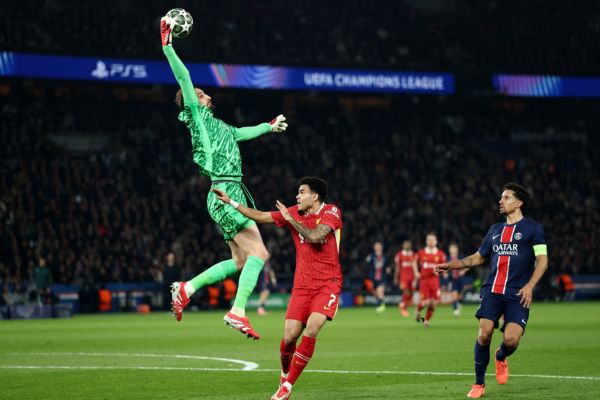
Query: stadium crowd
pixel 467 36
pixel 397 169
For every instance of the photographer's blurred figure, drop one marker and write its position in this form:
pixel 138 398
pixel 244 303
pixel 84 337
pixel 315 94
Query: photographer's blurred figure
pixel 171 273
pixel 43 282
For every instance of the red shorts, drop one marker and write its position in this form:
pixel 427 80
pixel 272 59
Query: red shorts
pixel 407 285
pixel 430 289
pixel 323 299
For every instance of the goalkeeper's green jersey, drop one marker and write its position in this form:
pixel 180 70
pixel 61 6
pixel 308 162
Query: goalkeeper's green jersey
pixel 214 143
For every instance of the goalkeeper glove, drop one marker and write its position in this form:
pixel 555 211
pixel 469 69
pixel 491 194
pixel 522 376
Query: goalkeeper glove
pixel 278 124
pixel 166 36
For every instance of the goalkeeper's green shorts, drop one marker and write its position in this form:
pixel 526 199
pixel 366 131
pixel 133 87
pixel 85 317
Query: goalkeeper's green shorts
pixel 230 220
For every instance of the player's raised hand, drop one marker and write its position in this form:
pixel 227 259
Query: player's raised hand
pixel 221 195
pixel 526 294
pixel 278 124
pixel 166 35
pixel 284 211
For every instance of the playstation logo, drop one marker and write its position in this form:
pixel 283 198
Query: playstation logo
pixel 101 71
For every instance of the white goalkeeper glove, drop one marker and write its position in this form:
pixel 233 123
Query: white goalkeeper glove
pixel 278 124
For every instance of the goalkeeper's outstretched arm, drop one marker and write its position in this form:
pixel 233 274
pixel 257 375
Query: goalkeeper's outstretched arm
pixel 278 124
pixel 179 70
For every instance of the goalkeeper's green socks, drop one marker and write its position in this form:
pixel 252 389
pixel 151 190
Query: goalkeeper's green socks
pixel 246 284
pixel 214 274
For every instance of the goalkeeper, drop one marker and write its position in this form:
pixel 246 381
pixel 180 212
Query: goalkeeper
pixel 215 150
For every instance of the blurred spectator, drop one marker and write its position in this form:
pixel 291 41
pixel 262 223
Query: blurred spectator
pixel 43 282
pixel 88 298
pixel 171 273
pixel 473 36
pixel 399 169
pixel 104 299
pixel 566 288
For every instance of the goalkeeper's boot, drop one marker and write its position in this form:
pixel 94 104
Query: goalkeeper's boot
pixel 179 299
pixel 241 324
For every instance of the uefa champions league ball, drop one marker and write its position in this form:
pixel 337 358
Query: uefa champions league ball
pixel 181 22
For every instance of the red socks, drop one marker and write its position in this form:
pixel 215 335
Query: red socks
pixel 286 354
pixel 301 358
pixel 429 314
pixel 406 300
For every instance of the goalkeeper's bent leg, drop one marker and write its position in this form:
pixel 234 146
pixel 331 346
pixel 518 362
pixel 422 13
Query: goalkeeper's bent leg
pixel 214 274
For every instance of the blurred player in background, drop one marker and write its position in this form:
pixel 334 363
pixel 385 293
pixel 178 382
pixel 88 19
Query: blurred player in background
pixel 266 283
pixel 215 150
pixel 406 274
pixel 455 280
pixel 316 229
pixel 378 271
pixel 429 284
pixel 517 252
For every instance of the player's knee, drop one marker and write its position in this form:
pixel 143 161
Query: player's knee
pixel 511 341
pixel 290 337
pixel 239 261
pixel 312 331
pixel 484 337
pixel 261 253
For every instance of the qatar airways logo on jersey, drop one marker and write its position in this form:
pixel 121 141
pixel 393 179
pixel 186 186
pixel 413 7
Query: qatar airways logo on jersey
pixel 506 249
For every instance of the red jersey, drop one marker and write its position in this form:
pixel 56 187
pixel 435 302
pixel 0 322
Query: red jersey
pixel 427 259
pixel 404 260
pixel 316 263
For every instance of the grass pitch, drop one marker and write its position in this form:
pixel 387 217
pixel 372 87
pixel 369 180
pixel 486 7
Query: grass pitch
pixel 358 356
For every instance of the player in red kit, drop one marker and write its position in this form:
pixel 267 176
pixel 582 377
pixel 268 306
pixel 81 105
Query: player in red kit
pixel 406 275
pixel 429 289
pixel 316 229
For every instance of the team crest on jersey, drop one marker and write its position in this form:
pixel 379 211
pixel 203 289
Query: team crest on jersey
pixel 518 236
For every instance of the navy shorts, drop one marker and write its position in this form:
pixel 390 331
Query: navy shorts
pixel 455 284
pixel 493 306
pixel 377 283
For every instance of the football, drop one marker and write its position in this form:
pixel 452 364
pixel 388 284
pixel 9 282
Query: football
pixel 181 22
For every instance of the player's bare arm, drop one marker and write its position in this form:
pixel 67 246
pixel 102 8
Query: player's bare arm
pixel 526 292
pixel 473 260
pixel 415 267
pixel 311 235
pixel 255 215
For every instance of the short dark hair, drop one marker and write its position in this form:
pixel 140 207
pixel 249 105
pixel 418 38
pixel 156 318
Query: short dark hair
pixel 179 99
pixel 316 185
pixel 520 193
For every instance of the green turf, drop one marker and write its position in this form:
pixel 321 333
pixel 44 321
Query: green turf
pixel 562 339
